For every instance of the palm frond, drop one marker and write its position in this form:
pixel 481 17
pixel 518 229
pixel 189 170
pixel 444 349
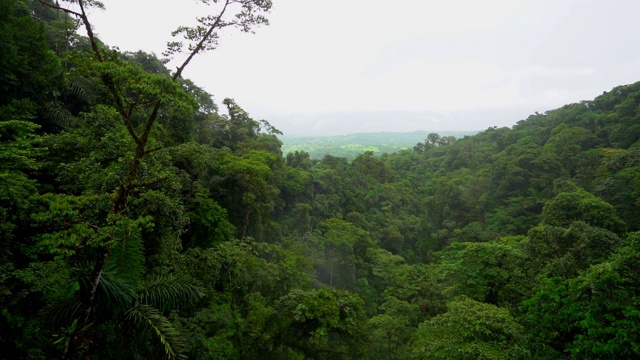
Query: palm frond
pixel 170 292
pixel 151 327
pixel 113 294
pixel 60 313
pixel 126 259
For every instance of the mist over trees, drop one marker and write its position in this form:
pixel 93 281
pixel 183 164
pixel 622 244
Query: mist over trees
pixel 142 219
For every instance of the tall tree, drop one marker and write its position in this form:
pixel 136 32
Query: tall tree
pixel 137 101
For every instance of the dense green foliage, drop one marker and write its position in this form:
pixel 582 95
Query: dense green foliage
pixel 140 220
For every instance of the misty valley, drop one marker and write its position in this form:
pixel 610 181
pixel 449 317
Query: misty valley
pixel 142 219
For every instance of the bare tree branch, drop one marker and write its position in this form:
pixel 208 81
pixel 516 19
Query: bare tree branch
pixel 68 11
pixel 200 45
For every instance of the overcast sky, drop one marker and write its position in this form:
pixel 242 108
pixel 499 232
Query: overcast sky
pixel 344 66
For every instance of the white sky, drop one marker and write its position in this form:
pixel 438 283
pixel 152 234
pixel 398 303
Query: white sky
pixel 340 66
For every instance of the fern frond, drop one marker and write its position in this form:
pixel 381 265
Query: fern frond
pixel 151 326
pixel 59 114
pixel 170 292
pixel 81 88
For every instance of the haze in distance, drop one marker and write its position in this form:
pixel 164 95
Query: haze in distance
pixel 337 67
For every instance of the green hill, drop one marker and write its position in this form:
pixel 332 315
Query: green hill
pixel 350 146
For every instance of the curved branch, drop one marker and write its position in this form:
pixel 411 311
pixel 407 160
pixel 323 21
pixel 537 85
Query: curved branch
pixel 200 45
pixel 87 26
pixel 68 11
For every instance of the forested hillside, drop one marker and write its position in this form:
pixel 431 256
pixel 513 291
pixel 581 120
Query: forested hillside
pixel 142 220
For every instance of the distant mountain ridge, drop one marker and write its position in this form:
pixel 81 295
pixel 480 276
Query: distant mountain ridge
pixel 349 146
